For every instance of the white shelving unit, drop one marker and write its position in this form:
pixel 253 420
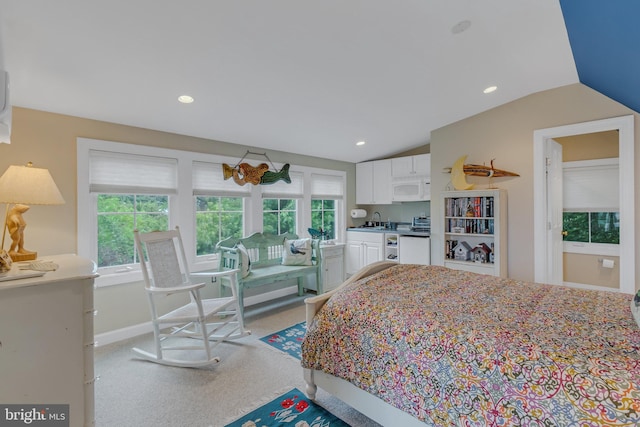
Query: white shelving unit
pixel 475 231
pixel 391 247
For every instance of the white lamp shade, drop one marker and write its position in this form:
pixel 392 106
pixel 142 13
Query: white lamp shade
pixel 30 186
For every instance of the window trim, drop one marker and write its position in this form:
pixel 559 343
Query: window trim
pixel 182 206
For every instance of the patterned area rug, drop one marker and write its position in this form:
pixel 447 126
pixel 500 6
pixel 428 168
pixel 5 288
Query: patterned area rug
pixel 290 409
pixel 288 340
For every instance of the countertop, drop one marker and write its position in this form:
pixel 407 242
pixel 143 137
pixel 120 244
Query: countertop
pixel 391 231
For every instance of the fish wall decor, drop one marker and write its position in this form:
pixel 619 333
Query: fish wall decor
pixel 243 173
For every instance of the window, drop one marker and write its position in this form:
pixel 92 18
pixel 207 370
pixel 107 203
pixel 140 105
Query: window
pixel 130 192
pixel 118 216
pixel 323 217
pixel 279 216
pixel 591 204
pixel 326 196
pixel 592 227
pixel 217 218
pixel 219 206
pixel 280 205
pixel 122 187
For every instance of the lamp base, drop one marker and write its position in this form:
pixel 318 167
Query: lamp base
pixel 16 257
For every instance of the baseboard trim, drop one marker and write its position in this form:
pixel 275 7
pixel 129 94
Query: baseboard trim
pixel 590 287
pixel 122 334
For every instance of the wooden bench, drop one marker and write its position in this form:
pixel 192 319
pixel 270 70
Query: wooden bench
pixel 265 253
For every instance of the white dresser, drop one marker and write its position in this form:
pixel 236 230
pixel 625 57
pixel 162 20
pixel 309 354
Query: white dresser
pixel 46 338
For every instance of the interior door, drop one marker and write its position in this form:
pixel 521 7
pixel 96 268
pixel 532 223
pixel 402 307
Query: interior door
pixel 554 212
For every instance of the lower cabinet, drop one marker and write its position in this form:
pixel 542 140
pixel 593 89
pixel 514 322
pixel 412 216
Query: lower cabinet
pixel 363 248
pixel 332 267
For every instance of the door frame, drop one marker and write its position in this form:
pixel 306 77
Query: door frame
pixel 625 126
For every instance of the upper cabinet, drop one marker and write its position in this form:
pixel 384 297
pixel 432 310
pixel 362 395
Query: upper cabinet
pixel 410 166
pixel 401 179
pixel 373 182
pixel 411 178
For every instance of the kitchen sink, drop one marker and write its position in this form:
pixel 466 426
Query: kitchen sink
pixel 373 227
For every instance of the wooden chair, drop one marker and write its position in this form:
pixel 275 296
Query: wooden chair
pixel 212 321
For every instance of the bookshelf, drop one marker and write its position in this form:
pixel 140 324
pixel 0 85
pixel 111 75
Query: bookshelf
pixel 475 231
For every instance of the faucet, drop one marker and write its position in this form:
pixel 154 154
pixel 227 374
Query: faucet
pixel 379 218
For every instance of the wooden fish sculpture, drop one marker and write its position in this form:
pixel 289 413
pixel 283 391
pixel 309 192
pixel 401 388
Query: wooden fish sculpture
pixel 490 171
pixel 271 177
pixel 483 170
pixel 244 173
pixel 227 171
pixel 252 174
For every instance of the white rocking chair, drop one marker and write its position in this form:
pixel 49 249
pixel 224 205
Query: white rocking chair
pixel 212 321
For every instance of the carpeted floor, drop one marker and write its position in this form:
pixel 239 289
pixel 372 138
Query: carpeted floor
pixel 136 393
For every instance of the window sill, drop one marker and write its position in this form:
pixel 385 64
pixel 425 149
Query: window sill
pixel 112 279
pixel 132 276
pixel 591 248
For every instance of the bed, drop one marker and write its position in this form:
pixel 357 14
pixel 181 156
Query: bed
pixel 415 345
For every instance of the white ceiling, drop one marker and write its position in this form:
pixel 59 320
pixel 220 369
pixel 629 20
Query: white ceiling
pixel 303 76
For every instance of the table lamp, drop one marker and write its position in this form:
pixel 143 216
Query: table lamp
pixel 21 186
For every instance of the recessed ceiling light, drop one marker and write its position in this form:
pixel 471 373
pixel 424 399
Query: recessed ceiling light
pixel 490 89
pixel 185 99
pixel 461 27
pixel 360 143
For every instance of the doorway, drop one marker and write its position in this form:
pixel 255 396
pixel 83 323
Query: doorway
pixel 544 226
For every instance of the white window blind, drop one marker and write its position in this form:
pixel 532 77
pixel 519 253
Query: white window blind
pixel 282 190
pixel 327 186
pixel 591 187
pixel 111 172
pixel 208 180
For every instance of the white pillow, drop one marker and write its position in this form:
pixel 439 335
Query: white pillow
pixel 296 252
pixel 635 310
pixel 245 261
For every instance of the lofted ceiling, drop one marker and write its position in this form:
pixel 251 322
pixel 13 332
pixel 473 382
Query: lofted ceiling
pixel 605 41
pixel 308 77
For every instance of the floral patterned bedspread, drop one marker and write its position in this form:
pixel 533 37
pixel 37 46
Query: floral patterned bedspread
pixel 455 348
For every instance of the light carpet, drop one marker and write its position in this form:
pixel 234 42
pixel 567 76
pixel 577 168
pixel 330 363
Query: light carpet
pixel 136 393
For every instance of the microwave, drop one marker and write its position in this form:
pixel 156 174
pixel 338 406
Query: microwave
pixel 411 190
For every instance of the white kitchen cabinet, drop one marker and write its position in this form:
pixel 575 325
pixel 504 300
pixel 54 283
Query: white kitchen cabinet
pixel 332 273
pixel 373 182
pixel 411 178
pixel 408 166
pixel 46 336
pixel 363 248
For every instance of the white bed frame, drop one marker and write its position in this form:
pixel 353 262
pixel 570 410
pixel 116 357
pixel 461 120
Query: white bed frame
pixel 368 404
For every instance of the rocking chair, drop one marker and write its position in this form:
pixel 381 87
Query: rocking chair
pixel 211 321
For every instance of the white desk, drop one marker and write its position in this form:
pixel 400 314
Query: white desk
pixel 46 338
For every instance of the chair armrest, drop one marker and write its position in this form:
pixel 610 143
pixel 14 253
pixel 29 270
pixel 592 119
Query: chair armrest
pixel 176 289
